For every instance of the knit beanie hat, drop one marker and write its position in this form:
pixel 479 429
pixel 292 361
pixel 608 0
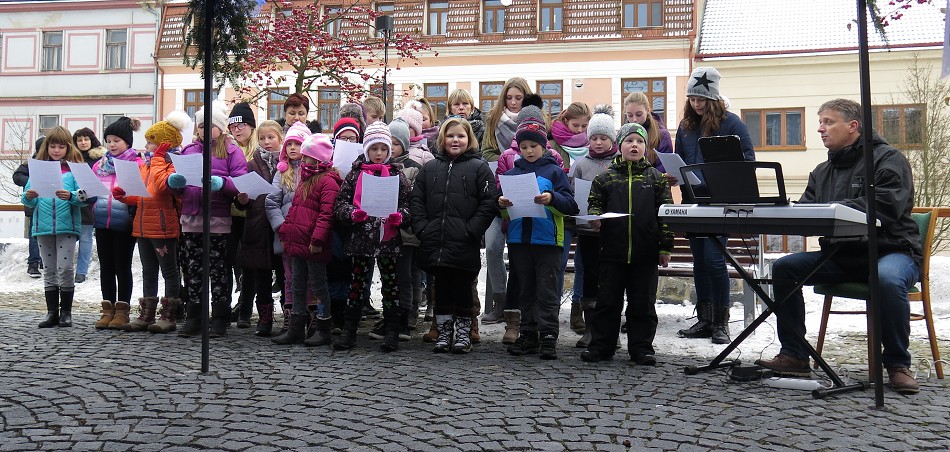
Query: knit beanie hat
pixel 601 124
pixel 347 123
pixel 704 82
pixel 219 116
pixel 413 119
pixel 400 131
pixel 242 113
pixel 123 128
pixel 317 146
pixel 630 128
pixel 377 132
pixel 169 130
pixel 298 133
pixel 531 126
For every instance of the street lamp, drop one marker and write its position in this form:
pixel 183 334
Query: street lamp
pixel 384 25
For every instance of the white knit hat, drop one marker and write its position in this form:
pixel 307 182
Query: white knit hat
pixel 378 132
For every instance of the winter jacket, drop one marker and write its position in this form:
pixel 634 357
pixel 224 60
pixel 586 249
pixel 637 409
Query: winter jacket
pixel 410 169
pixel 478 125
pixel 453 203
pixel 277 204
pixel 233 165
pixel 551 179
pixel 310 221
pixel 588 168
pixel 20 177
pixel 507 159
pixel 53 216
pixel 257 242
pixel 157 216
pixel 109 212
pixel 637 188
pixel 363 238
pixel 91 157
pixel 665 145
pixel 419 152
pixel 687 141
pixel 840 179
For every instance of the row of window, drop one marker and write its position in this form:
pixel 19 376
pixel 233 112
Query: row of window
pixel 115 50
pixel 47 122
pixel 634 13
pixel 783 129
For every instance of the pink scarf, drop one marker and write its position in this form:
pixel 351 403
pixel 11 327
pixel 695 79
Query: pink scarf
pixel 367 168
pixel 564 137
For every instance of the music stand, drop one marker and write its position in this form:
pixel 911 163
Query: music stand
pixel 732 182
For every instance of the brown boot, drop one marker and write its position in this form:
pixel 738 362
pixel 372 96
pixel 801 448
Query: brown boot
pixel 108 312
pixel 121 317
pixel 512 326
pixel 785 365
pixel 577 318
pixel 476 310
pixel 902 380
pixel 433 333
pixel 146 318
pixel 473 334
pixel 166 316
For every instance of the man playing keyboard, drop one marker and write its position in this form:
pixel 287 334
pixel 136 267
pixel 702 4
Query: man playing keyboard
pixel 840 179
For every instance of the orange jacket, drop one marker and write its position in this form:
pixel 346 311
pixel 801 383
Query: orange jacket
pixel 156 217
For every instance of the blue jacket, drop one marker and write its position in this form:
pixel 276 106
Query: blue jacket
pixel 551 179
pixel 53 216
pixel 687 141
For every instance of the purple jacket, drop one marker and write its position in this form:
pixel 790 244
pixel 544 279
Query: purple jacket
pixel 234 165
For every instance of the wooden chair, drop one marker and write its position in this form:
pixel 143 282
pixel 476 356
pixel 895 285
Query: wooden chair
pixel 926 219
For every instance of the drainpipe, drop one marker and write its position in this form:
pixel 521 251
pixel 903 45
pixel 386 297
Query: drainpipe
pixel 155 99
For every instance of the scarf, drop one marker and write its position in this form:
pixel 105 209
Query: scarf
pixel 367 168
pixel 307 170
pixel 506 128
pixel 564 137
pixel 599 155
pixel 107 168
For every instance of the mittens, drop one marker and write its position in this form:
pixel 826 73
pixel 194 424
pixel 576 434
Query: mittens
pixel 118 193
pixel 176 181
pixel 216 183
pixel 359 216
pixel 395 219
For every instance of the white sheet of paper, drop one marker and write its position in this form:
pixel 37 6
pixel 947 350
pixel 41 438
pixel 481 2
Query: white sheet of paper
pixel 128 177
pixel 191 166
pixel 493 166
pixel 672 164
pixel 344 153
pixel 46 176
pixel 380 195
pixel 581 193
pixel 253 184
pixel 521 190
pixel 87 180
pixel 605 216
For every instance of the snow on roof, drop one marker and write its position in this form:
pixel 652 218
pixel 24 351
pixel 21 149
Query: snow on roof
pixel 741 27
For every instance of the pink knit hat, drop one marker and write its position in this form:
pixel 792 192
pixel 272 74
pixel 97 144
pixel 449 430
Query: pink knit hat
pixel 297 133
pixel 317 146
pixel 413 118
pixel 378 132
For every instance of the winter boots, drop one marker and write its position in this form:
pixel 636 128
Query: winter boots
pixel 220 319
pixel 296 331
pixel 66 308
pixel 433 334
pixel 108 312
pixel 548 346
pixel 445 326
pixel 121 317
pixel 52 309
pixel 265 319
pixel 494 309
pixel 527 343
pixel 192 326
pixel 463 334
pixel 351 321
pixel 147 308
pixel 703 327
pixel 720 325
pixel 167 314
pixel 321 336
pixel 577 318
pixel 587 306
pixel 392 319
pixel 512 326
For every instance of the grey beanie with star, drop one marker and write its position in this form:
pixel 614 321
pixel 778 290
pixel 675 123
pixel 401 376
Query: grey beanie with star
pixel 704 82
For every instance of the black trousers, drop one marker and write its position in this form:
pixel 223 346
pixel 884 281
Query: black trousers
pixel 639 281
pixel 590 256
pixel 453 291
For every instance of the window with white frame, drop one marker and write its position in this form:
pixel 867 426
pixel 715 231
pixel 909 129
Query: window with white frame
pixel 47 122
pixel 438 18
pixel 275 102
pixel 107 121
pixel 488 93
pixel 552 94
pixel 116 45
pixel 328 107
pixel 642 13
pixel 776 129
pixel 333 17
pixel 552 12
pixel 654 88
pixel 52 51
pixel 493 17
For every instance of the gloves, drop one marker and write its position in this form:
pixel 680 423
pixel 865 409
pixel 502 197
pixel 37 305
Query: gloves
pixel 118 193
pixel 216 183
pixel 162 150
pixel 81 195
pixel 359 216
pixel 395 219
pixel 176 181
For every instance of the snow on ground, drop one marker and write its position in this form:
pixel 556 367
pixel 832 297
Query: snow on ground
pixel 672 317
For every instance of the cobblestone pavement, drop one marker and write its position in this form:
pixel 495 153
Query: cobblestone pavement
pixel 81 389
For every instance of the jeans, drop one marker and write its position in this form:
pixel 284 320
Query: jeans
pixel 497 275
pixel 578 267
pixel 85 250
pixel 310 276
pixel 709 271
pixel 34 256
pixel 896 274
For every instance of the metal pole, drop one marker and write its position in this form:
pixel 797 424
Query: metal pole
pixel 206 187
pixel 874 333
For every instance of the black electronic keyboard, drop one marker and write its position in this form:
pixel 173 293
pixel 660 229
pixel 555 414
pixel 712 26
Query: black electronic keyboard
pixel 830 220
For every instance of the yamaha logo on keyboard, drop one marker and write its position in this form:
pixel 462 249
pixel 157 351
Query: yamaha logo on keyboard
pixel 670 211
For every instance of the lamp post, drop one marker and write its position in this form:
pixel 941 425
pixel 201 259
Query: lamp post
pixel 384 25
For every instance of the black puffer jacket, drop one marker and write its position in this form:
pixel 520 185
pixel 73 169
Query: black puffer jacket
pixel 453 202
pixel 841 179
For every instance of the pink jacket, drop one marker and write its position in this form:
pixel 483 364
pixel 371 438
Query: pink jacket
pixel 310 220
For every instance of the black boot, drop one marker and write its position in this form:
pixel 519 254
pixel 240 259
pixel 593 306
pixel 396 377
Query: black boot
pixel 220 319
pixel 337 308
pixel 720 327
pixel 245 309
pixel 311 321
pixel 296 331
pixel 703 326
pixel 351 321
pixel 265 319
pixel 526 343
pixel 321 336
pixel 587 306
pixel 66 308
pixel 52 309
pixel 392 318
pixel 192 326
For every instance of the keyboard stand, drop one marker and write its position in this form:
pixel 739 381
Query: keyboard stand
pixel 838 386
